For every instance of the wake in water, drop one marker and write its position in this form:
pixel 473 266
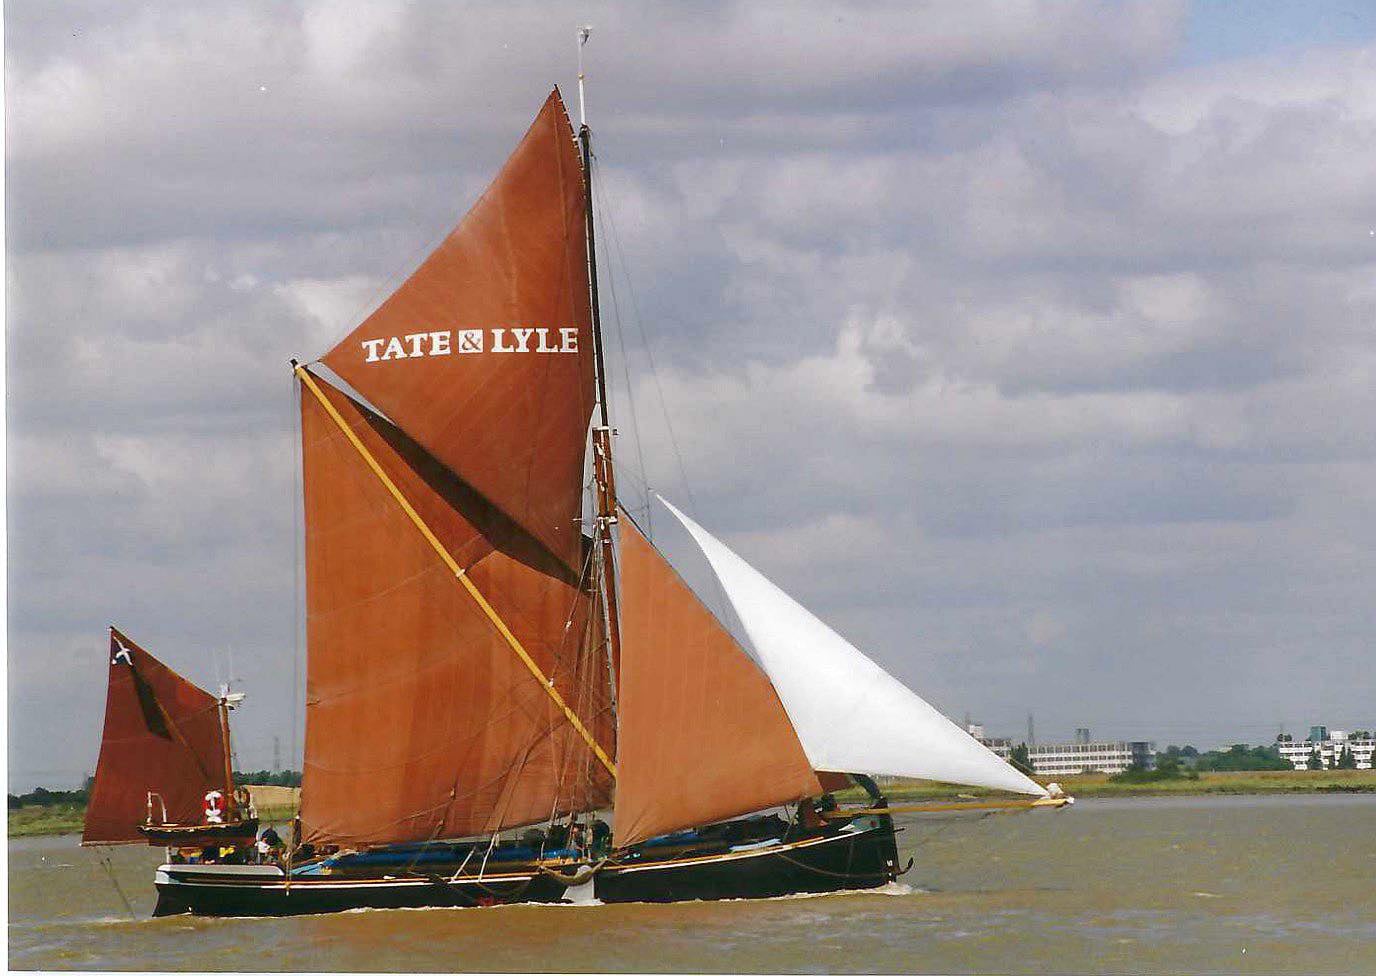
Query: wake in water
pixel 893 888
pixel 581 897
pixel 585 899
pixel 589 903
pixel 84 921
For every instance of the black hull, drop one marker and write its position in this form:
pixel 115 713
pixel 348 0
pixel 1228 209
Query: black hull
pixel 838 861
pixel 857 856
pixel 232 895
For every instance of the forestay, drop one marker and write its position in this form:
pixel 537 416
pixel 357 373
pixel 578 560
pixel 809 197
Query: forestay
pixel 851 715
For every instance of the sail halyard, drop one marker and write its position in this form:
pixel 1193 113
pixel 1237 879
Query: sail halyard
pixel 851 715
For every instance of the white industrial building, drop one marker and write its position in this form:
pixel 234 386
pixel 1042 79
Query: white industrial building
pixel 1329 744
pixel 1082 755
pixel 1085 755
pixel 1003 748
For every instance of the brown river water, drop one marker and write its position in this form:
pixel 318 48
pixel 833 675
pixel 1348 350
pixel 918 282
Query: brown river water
pixel 1170 885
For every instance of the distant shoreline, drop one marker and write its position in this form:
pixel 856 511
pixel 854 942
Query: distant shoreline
pixel 1099 784
pixel 278 804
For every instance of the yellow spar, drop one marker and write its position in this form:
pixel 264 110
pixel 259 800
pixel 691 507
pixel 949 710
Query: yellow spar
pixel 546 683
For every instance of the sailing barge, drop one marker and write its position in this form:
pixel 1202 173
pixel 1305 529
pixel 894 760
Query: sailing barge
pixel 164 775
pixel 485 677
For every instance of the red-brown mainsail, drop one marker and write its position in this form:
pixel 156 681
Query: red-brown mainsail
pixel 492 370
pixel 162 735
pixel 702 736
pixel 421 722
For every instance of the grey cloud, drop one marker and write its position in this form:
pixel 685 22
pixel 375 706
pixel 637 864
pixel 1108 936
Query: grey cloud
pixel 1040 367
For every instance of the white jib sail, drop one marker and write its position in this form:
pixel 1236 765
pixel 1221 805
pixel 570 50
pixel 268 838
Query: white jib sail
pixel 851 715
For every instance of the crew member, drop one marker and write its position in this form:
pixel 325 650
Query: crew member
pixel 577 837
pixel 269 845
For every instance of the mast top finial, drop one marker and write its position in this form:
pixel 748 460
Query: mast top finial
pixel 583 33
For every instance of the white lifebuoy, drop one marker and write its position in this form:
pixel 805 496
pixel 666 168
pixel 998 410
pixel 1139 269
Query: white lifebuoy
pixel 214 810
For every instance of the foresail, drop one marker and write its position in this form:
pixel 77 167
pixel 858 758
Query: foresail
pixel 851 715
pixel 703 736
pixel 162 735
pixel 484 355
pixel 420 721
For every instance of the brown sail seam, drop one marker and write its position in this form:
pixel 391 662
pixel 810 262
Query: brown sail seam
pixel 493 617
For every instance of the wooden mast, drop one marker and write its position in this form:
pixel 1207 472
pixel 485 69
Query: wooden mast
pixel 603 475
pixel 231 807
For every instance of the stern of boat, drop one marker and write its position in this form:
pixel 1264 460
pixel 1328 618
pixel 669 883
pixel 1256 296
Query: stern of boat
pixel 215 889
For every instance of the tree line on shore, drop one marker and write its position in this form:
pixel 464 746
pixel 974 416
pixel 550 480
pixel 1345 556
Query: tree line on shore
pixel 1173 762
pixel 264 777
pixel 43 797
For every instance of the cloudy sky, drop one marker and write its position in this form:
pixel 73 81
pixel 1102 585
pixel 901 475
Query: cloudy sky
pixel 1033 346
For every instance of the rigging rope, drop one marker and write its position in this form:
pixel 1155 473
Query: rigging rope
pixel 823 871
pixel 566 760
pixel 579 877
pixel 110 871
pixel 644 338
pixel 625 359
pixel 722 600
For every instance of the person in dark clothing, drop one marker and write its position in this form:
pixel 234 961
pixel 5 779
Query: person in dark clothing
pixel 269 845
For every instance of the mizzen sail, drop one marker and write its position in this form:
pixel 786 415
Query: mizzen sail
pixel 703 736
pixel 162 735
pixel 484 355
pixel 851 715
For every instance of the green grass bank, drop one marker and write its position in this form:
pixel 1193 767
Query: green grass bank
pixel 277 804
pixel 1100 784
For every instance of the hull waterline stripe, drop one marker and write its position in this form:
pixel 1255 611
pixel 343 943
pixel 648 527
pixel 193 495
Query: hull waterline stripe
pixel 300 885
pixel 173 880
pixel 546 683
